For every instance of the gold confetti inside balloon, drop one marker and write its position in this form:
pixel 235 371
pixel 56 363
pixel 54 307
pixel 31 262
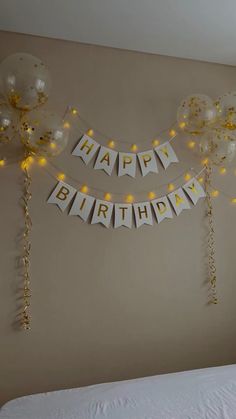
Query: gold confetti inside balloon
pixel 7 123
pixel 219 146
pixel 196 113
pixel 43 133
pixel 25 81
pixel 226 109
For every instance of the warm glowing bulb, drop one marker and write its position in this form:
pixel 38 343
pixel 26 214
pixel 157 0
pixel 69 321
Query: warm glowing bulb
pixel 191 144
pixel 215 193
pixel 187 177
pixel 233 200
pixel 201 180
pixel 53 145
pixel 111 144
pixel 107 196
pixel 222 170
pixel 2 162
pixel 155 142
pixel 74 111
pixel 61 176
pixel 84 189
pixel 172 133
pixel 30 159
pixel 42 161
pixel 182 124
pixel 66 125
pixel 171 187
pixel 129 198
pixel 151 195
pixel 90 132
pixel 134 147
pixel 205 161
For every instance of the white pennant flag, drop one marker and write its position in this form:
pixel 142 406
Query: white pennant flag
pixel 143 213
pixel 147 161
pixel 194 190
pixel 86 148
pixel 62 195
pixel 82 205
pixel 102 213
pixel 162 208
pixel 179 200
pixel 166 154
pixel 123 215
pixel 127 164
pixel 106 160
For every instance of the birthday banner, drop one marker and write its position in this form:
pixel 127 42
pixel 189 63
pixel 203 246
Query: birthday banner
pixel 106 158
pixel 107 213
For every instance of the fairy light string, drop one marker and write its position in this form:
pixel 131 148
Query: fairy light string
pixel 85 127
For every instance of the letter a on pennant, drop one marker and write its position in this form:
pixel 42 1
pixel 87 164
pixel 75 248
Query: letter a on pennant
pixel 106 160
pixel 62 195
pixel 86 148
pixel 178 201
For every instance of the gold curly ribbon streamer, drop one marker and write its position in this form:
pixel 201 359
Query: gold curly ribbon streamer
pixel 25 314
pixel 213 299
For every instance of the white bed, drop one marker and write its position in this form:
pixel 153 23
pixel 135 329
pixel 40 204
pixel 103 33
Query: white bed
pixel 200 394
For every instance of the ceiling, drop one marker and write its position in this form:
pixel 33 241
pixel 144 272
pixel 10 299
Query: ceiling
pixel 197 29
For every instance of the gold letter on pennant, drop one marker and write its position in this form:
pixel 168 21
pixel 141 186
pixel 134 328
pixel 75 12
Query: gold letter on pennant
pixel 147 162
pixel 86 148
pixel 178 201
pixel 82 205
pixel 166 154
pixel 194 190
pixel 62 195
pixel 162 209
pixel 127 164
pixel 106 160
pixel 143 213
pixel 102 212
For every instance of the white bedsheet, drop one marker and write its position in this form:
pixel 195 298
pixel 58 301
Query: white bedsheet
pixel 200 394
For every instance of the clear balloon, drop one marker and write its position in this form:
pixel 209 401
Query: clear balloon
pixel 196 113
pixel 219 146
pixel 8 120
pixel 226 109
pixel 25 81
pixel 43 133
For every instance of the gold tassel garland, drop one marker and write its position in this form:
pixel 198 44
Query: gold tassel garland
pixel 213 299
pixel 25 315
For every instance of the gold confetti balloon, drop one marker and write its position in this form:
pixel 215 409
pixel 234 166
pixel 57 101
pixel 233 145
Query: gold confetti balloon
pixel 8 120
pixel 219 146
pixel 226 109
pixel 196 113
pixel 43 133
pixel 24 81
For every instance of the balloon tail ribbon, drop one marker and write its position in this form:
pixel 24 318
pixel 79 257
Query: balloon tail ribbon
pixel 213 299
pixel 25 314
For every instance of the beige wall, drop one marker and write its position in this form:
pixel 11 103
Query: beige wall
pixel 111 305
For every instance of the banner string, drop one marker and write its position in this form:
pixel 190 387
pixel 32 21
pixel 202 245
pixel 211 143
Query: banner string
pixel 73 112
